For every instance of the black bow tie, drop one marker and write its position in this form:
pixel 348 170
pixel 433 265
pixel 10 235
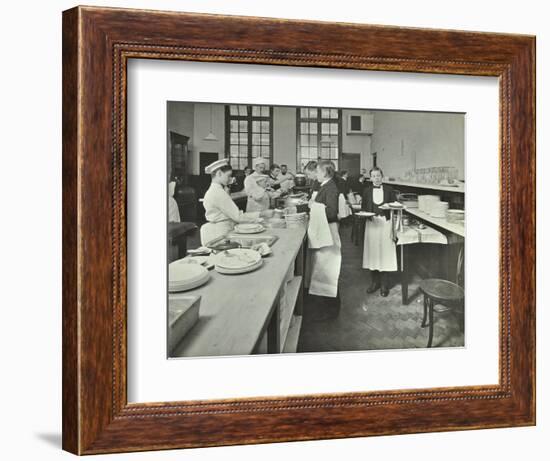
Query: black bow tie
pixel 376 187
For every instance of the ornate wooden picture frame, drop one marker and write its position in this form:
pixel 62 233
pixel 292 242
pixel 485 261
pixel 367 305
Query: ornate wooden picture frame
pixel 97 44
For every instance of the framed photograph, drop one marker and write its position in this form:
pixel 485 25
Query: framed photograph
pixel 280 230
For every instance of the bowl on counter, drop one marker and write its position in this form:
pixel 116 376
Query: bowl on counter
pixel 300 179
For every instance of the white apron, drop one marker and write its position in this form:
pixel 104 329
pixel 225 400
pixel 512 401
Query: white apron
pixel 343 208
pixel 379 249
pixel 214 230
pixel 325 266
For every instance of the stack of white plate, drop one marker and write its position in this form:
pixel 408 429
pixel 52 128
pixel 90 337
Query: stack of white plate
pixel 409 200
pixel 237 261
pixel 439 209
pixel 252 228
pixel 426 202
pixel 295 220
pixel 183 275
pixel 455 216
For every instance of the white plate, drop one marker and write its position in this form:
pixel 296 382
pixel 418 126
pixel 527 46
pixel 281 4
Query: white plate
pixel 237 258
pixel 205 261
pixel 248 229
pixel 183 276
pixel 181 271
pixel 365 214
pixel 301 215
pixel 173 288
pixel 244 270
pixel 386 206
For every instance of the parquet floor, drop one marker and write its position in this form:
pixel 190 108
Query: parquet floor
pixel 367 322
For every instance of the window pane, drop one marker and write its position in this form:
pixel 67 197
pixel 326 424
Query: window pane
pixel 234 162
pixel 304 151
pixel 335 164
pixel 334 152
pixel 314 152
pixel 304 140
pixel 304 128
pixel 333 113
pixel 313 128
pixel 238 133
pixel 312 113
pixel 333 128
pixel 325 113
pixel 303 113
pixel 325 129
pixel 312 139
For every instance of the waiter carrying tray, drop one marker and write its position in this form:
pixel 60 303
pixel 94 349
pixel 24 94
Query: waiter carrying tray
pixel 379 254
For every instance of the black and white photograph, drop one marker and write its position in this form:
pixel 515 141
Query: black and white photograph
pixel 313 229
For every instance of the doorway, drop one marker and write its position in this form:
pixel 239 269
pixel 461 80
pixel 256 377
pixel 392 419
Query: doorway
pixel 352 163
pixel 205 159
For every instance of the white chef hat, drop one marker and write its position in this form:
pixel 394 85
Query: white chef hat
pixel 257 160
pixel 215 166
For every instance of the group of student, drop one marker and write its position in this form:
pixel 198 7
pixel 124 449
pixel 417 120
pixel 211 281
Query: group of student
pixel 328 189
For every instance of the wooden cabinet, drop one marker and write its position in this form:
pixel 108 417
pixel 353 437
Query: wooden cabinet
pixel 184 194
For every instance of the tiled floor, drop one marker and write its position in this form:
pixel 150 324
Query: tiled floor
pixel 367 322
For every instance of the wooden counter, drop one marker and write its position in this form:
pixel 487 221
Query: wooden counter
pixel 237 310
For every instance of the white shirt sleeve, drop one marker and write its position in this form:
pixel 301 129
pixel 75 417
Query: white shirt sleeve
pixel 252 189
pixel 227 207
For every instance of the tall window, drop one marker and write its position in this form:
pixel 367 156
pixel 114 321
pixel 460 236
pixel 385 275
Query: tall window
pixel 319 134
pixel 249 134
